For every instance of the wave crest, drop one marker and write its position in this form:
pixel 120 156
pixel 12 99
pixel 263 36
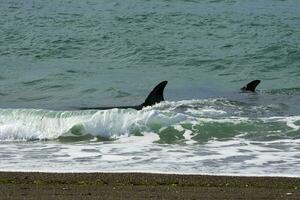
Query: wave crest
pixel 174 122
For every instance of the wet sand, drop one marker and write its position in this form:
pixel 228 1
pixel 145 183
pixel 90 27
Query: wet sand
pixel 27 185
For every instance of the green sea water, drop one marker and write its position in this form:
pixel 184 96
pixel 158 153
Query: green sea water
pixel 57 56
pixel 113 52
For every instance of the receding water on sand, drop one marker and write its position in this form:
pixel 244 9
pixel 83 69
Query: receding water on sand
pixel 195 136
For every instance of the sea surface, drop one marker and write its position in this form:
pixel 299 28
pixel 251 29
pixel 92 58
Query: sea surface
pixel 57 56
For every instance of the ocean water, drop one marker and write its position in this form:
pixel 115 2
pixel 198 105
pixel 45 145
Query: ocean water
pixel 57 56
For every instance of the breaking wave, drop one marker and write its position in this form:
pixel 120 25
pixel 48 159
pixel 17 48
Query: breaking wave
pixel 187 121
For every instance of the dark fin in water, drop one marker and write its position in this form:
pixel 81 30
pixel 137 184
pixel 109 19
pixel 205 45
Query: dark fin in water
pixel 156 95
pixel 251 86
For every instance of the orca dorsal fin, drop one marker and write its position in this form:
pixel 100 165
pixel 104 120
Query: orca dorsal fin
pixel 156 95
pixel 251 86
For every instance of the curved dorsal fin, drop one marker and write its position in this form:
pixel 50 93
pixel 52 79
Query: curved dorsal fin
pixel 251 86
pixel 156 95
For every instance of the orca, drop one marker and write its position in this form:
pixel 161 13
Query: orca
pixel 251 86
pixel 154 97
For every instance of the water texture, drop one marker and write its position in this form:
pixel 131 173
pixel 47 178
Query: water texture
pixel 57 56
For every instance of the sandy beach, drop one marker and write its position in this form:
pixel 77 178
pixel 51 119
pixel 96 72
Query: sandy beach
pixel 34 185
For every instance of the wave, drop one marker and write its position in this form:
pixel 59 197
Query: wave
pixel 284 91
pixel 187 121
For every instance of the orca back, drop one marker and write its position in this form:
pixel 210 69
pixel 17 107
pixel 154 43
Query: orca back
pixel 155 96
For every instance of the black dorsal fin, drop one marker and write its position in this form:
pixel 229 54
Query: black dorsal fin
pixel 251 86
pixel 156 95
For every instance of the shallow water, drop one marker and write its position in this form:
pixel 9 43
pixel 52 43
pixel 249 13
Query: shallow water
pixel 61 55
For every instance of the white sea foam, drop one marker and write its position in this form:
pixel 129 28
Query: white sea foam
pixel 216 157
pixel 30 124
pixel 260 146
pixel 290 121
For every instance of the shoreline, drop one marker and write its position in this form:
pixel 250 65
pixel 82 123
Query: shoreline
pixel 154 172
pixel 34 185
